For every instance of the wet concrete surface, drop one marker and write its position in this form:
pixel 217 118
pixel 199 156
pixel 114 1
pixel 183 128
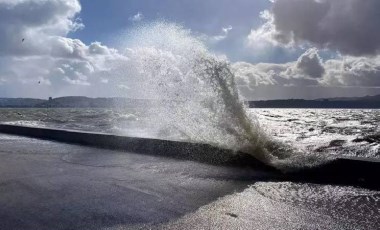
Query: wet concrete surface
pixel 49 185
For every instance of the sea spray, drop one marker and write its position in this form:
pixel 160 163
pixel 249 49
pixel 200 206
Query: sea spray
pixel 196 95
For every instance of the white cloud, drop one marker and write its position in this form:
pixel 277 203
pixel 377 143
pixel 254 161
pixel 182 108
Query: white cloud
pixel 306 71
pixel 2 81
pixel 223 35
pixel 38 22
pixel 353 71
pixel 262 37
pixel 137 17
pixel 310 70
pixel 35 49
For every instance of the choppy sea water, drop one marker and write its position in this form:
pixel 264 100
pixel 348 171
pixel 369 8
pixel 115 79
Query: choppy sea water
pixel 351 132
pixel 333 131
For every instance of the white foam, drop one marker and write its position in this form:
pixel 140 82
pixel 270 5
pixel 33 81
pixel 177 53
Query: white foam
pixel 197 97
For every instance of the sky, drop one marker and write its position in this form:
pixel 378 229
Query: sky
pixel 277 49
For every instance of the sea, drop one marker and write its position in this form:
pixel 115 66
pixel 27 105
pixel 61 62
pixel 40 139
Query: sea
pixel 347 132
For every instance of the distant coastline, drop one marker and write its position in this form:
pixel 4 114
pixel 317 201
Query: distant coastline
pixel 72 102
pixel 367 102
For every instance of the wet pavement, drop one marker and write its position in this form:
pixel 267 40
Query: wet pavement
pixel 50 185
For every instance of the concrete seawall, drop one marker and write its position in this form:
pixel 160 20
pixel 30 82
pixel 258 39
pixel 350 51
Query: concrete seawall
pixel 175 149
pixel 343 171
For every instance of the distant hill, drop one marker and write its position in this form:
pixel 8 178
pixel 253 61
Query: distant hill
pixel 367 102
pixel 366 98
pixel 71 102
pixel 19 102
pixel 86 102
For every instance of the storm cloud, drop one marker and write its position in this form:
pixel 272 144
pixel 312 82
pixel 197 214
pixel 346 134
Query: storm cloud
pixel 348 26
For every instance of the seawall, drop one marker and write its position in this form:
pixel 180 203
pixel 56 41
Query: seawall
pixel 342 171
pixel 175 149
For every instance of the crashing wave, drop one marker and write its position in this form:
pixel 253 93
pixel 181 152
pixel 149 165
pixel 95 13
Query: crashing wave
pixel 197 96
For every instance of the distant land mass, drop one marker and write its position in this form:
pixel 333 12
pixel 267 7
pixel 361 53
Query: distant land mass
pixel 72 102
pixel 116 102
pixel 367 102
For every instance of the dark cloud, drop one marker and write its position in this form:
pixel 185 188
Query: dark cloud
pixel 310 64
pixel 348 26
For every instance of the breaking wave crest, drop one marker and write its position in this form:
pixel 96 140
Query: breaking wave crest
pixel 196 94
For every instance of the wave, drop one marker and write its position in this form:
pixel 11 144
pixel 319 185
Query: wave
pixel 197 96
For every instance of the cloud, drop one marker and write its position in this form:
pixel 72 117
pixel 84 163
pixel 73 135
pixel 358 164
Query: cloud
pixel 137 17
pixel 28 27
pixel 223 35
pixel 310 71
pixel 306 71
pixel 262 37
pixel 353 71
pixel 310 64
pixel 39 59
pixel 347 26
pixel 35 49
